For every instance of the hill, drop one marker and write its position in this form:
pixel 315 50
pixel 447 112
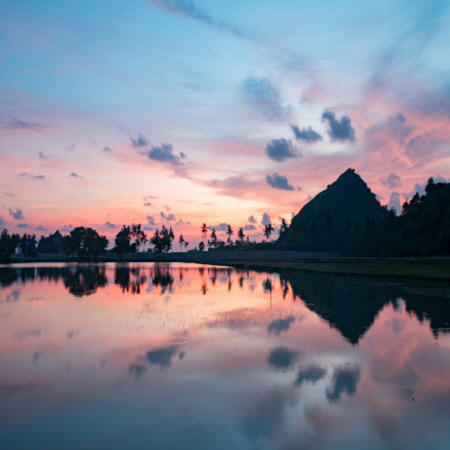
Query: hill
pixel 336 219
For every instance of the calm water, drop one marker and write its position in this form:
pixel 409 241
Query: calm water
pixel 201 357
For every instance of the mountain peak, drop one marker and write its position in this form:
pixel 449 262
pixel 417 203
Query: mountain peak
pixel 332 219
pixel 349 176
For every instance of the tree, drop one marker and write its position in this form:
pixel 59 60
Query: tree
pixel 8 244
pixel 201 246
pixel 213 241
pixel 204 231
pixel 138 234
pixel 123 241
pixel 162 240
pixel 229 233
pixel 85 242
pixel 240 234
pixel 181 241
pixel 283 226
pixel 268 229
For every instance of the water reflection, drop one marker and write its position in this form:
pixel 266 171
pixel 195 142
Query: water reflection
pixel 281 358
pixel 348 304
pixel 279 325
pixel 351 304
pixel 235 360
pixel 343 380
pixel 310 374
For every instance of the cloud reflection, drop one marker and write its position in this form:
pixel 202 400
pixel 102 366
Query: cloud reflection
pixel 310 374
pixel 282 359
pixel 279 325
pixel 344 380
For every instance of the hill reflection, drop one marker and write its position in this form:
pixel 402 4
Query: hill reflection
pixel 348 304
pixel 351 304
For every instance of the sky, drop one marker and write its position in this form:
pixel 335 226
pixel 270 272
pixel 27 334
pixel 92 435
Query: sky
pixel 181 112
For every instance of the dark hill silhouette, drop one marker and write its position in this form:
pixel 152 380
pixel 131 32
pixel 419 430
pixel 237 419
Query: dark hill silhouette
pixel 336 219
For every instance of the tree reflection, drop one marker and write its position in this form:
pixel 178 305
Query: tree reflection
pixel 162 277
pixel 8 276
pixel 349 304
pixel 129 279
pixel 84 280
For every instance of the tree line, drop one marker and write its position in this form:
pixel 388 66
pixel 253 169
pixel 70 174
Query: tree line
pixel 87 243
pixel 422 228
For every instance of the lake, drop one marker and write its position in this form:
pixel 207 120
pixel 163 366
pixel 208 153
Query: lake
pixel 184 356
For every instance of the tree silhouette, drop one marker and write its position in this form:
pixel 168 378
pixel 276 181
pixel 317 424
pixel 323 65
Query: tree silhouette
pixel 229 233
pixel 8 244
pixel 268 229
pixel 204 231
pixel 240 234
pixel 51 243
pixel 123 241
pixel 138 234
pixel 85 242
pixel 213 241
pixel 283 226
pixel 181 241
pixel 162 240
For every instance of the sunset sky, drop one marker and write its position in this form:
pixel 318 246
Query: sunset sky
pixel 220 111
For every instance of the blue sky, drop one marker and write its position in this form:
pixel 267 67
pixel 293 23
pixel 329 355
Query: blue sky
pixel 116 111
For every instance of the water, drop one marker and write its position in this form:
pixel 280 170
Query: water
pixel 198 357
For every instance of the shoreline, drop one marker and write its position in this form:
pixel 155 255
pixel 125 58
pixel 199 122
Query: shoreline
pixel 437 268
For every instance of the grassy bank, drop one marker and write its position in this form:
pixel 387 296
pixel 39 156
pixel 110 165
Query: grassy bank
pixel 417 268
pixel 437 268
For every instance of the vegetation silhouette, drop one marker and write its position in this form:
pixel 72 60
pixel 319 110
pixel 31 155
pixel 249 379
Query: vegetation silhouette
pixel 422 229
pixel 125 235
pixel 52 243
pixel 9 243
pixel 85 243
pixel 335 219
pixel 346 218
pixel 162 240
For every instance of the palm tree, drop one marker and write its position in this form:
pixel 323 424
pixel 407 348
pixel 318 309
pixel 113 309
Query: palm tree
pixel 213 242
pixel 268 229
pixel 204 230
pixel 283 226
pixel 240 234
pixel 229 233
pixel 181 241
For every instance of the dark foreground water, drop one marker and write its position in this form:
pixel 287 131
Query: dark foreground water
pixel 199 357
